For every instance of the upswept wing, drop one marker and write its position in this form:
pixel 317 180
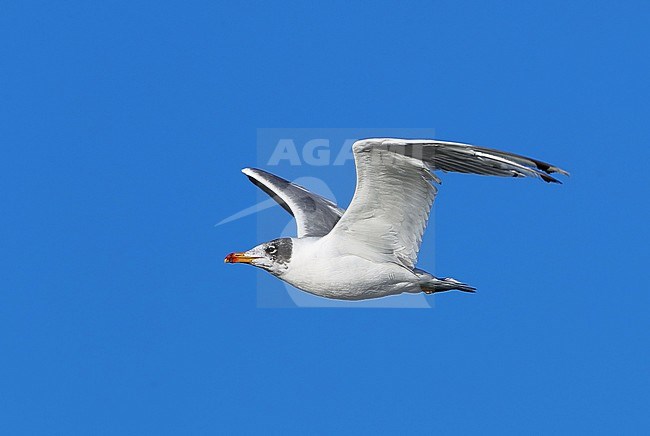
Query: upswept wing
pixel 315 215
pixel 394 194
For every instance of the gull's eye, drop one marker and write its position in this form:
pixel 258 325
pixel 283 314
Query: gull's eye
pixel 271 249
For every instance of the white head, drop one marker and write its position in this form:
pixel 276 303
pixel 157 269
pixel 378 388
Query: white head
pixel 273 256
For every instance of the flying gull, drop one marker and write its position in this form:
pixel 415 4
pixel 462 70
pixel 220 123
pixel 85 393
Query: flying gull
pixel 370 250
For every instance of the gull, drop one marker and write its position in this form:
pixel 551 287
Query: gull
pixel 370 250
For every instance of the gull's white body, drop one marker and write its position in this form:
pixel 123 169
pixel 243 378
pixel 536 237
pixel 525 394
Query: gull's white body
pixel 370 250
pixel 319 267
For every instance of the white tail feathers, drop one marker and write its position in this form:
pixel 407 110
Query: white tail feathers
pixel 431 284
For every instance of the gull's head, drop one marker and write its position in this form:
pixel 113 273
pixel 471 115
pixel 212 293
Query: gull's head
pixel 273 256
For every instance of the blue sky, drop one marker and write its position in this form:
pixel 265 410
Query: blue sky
pixel 124 127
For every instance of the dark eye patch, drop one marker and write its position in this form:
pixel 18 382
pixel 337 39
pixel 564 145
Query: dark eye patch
pixel 281 250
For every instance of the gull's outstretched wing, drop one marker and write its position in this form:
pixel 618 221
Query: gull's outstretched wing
pixel 315 215
pixel 392 201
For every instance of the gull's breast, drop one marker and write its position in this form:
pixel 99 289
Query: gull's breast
pixel 319 270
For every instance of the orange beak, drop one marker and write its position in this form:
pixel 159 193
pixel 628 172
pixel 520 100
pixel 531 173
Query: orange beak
pixel 239 258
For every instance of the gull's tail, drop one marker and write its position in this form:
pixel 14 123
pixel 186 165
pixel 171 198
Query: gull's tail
pixel 430 284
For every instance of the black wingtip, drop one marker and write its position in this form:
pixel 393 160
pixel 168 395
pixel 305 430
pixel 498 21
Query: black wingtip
pixel 270 193
pixel 548 168
pixel 549 179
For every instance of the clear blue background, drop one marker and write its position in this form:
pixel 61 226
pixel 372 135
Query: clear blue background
pixel 123 130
